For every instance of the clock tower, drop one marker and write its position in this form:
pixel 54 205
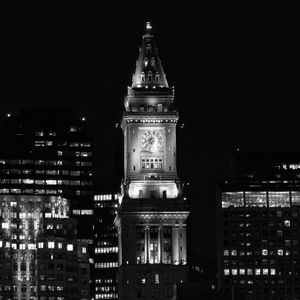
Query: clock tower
pixel 152 217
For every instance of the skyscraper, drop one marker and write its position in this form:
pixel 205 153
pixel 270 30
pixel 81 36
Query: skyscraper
pixel 46 154
pixel 152 217
pixel 40 255
pixel 259 227
pixel 106 245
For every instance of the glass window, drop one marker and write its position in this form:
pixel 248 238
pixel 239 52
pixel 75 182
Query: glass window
pixel 277 199
pixel 85 144
pixel 86 154
pixel 232 199
pixel 86 163
pixel 51 245
pixel 256 199
pixel 75 173
pixel 296 198
pixel 74 144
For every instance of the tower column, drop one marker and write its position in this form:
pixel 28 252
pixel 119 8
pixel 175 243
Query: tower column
pixel 146 244
pixel 175 245
pixel 159 245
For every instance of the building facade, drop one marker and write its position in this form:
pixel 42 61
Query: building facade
pixel 40 255
pixel 259 227
pixel 106 246
pixel 151 221
pixel 47 153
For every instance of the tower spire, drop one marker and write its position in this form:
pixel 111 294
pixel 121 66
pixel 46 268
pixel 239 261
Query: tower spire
pixel 149 72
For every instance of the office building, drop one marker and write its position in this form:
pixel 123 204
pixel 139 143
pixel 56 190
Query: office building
pixel 48 152
pixel 106 245
pixel 152 217
pixel 259 227
pixel 40 255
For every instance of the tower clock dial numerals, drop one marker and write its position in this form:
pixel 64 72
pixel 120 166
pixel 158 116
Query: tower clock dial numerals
pixel 152 141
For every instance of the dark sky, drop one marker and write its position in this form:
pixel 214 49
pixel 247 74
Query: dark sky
pixel 235 70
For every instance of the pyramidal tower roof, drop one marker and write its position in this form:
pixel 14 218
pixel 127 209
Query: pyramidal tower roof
pixel 149 71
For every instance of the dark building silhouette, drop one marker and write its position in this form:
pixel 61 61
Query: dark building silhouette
pixel 153 213
pixel 48 153
pixel 106 245
pixel 259 227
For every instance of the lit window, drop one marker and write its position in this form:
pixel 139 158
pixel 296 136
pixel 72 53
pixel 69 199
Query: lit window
pixel 83 249
pixel 234 271
pixel 226 272
pixel 264 252
pixel 86 212
pixel 287 223
pixel 86 154
pixel 59 245
pixel 39 133
pixel 257 271
pixel 39 181
pixel 43 287
pixel 273 272
pixel 74 144
pixel 156 279
pixel 28 181
pixel 70 247
pixel 51 182
pixel 5 225
pixel 265 271
pixel 75 182
pixel 85 144
pixel 280 252
pixel 51 245
pixel 40 245
pixel 31 246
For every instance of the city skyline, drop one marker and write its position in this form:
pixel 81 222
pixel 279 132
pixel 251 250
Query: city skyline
pixel 234 69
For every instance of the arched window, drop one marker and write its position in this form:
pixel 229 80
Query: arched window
pixel 156 76
pixel 152 62
pixel 148 49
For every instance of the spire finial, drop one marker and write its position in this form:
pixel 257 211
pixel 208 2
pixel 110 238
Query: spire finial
pixel 148 27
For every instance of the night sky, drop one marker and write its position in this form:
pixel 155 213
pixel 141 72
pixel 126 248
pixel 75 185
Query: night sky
pixel 235 70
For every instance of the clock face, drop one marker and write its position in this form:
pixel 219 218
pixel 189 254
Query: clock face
pixel 152 141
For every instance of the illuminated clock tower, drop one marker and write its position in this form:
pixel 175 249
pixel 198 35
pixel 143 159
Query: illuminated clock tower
pixel 152 217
